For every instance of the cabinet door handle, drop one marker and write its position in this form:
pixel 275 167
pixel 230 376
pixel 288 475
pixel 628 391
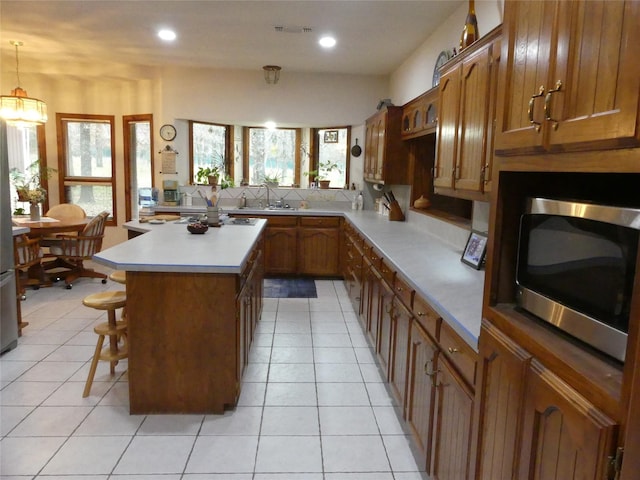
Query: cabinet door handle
pixel 532 102
pixel 547 105
pixel 452 350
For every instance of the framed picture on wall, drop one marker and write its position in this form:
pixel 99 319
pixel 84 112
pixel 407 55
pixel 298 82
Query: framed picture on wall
pixel 331 136
pixel 475 250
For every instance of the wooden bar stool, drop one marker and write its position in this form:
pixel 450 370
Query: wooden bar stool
pixel 110 301
pixel 119 276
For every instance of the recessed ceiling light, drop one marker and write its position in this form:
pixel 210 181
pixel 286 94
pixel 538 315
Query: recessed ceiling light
pixel 167 35
pixel 270 125
pixel 327 42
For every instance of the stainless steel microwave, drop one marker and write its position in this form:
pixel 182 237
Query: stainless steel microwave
pixel 576 269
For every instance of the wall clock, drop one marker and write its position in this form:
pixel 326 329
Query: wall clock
pixel 168 132
pixel 443 58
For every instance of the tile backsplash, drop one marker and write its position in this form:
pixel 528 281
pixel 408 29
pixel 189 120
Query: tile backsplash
pixel 257 196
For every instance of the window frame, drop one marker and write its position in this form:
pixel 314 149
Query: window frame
pixel 314 161
pixel 127 120
pixel 297 158
pixel 62 135
pixel 228 149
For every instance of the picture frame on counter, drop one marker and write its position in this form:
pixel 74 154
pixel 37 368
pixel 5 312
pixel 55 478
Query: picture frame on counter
pixel 475 249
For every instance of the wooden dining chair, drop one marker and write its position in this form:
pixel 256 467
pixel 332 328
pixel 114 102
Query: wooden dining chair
pixel 62 211
pixel 73 250
pixel 27 253
pixel 66 211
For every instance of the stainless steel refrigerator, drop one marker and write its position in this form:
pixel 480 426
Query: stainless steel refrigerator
pixel 8 309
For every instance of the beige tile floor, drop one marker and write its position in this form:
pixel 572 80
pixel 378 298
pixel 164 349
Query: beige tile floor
pixel 313 405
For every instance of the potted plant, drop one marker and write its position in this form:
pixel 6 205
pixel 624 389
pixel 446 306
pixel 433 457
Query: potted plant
pixel 209 175
pixel 320 175
pixel 272 180
pixel 28 184
pixel 227 182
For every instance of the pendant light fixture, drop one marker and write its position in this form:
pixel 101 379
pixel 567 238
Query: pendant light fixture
pixel 271 73
pixel 19 107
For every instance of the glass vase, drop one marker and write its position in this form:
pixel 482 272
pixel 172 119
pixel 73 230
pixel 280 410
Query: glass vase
pixel 34 212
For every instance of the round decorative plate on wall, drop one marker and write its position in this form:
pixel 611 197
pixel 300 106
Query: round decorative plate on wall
pixel 168 132
pixel 443 58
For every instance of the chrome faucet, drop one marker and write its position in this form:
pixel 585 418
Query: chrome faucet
pixel 267 188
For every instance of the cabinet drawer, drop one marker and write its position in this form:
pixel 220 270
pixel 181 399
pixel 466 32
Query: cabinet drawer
pixel 459 353
pixel 387 272
pixel 333 222
pixel 280 221
pixel 427 316
pixel 404 292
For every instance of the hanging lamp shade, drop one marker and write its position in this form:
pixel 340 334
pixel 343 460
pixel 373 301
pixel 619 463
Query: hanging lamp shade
pixel 19 107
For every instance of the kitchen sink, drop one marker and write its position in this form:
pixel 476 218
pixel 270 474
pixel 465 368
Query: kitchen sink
pixel 241 221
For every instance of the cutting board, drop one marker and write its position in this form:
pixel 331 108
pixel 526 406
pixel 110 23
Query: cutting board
pixel 166 218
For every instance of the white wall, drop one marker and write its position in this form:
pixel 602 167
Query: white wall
pixel 415 75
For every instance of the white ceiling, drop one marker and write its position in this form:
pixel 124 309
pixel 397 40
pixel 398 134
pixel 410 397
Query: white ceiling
pixel 374 37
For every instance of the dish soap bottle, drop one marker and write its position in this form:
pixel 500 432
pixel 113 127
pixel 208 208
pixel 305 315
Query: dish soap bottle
pixel 243 200
pixel 354 203
pixel 360 201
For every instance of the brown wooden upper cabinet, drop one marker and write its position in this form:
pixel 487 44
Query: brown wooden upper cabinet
pixel 420 115
pixel 467 103
pixel 570 79
pixel 385 154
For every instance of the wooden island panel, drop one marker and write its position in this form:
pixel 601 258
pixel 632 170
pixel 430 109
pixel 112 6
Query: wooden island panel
pixel 183 342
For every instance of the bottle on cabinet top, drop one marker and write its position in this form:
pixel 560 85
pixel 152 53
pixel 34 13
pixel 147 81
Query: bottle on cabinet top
pixel 470 31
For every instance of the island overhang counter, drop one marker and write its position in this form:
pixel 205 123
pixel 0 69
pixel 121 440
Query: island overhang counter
pixel 193 302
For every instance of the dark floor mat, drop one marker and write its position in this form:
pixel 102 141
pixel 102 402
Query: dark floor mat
pixel 289 288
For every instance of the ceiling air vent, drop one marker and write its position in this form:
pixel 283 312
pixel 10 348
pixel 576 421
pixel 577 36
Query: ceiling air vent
pixel 292 29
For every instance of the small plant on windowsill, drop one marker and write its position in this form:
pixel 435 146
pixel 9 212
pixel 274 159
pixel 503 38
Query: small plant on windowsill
pixel 210 174
pixel 321 175
pixel 227 182
pixel 272 181
pixel 28 184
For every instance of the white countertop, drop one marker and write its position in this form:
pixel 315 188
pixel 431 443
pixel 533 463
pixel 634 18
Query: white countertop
pixel 429 264
pixel 432 267
pixel 169 247
pixel 19 230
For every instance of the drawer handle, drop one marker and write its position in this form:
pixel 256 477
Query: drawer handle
pixel 400 289
pixel 421 314
pixel 453 350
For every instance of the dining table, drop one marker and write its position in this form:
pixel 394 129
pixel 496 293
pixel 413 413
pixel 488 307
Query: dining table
pixel 48 227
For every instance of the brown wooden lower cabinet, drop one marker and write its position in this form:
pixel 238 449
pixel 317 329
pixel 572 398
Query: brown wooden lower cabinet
pixel 401 320
pixel 281 246
pixel 534 425
pixel 503 367
pixel 421 392
pixel 318 251
pixel 301 245
pixel 452 424
pixel 563 435
pixel 385 338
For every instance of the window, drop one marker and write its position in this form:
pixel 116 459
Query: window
pixel 25 147
pixel 209 147
pixel 138 161
pixel 272 155
pixel 87 173
pixel 333 155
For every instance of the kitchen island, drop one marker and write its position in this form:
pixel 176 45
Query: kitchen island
pixel 193 302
